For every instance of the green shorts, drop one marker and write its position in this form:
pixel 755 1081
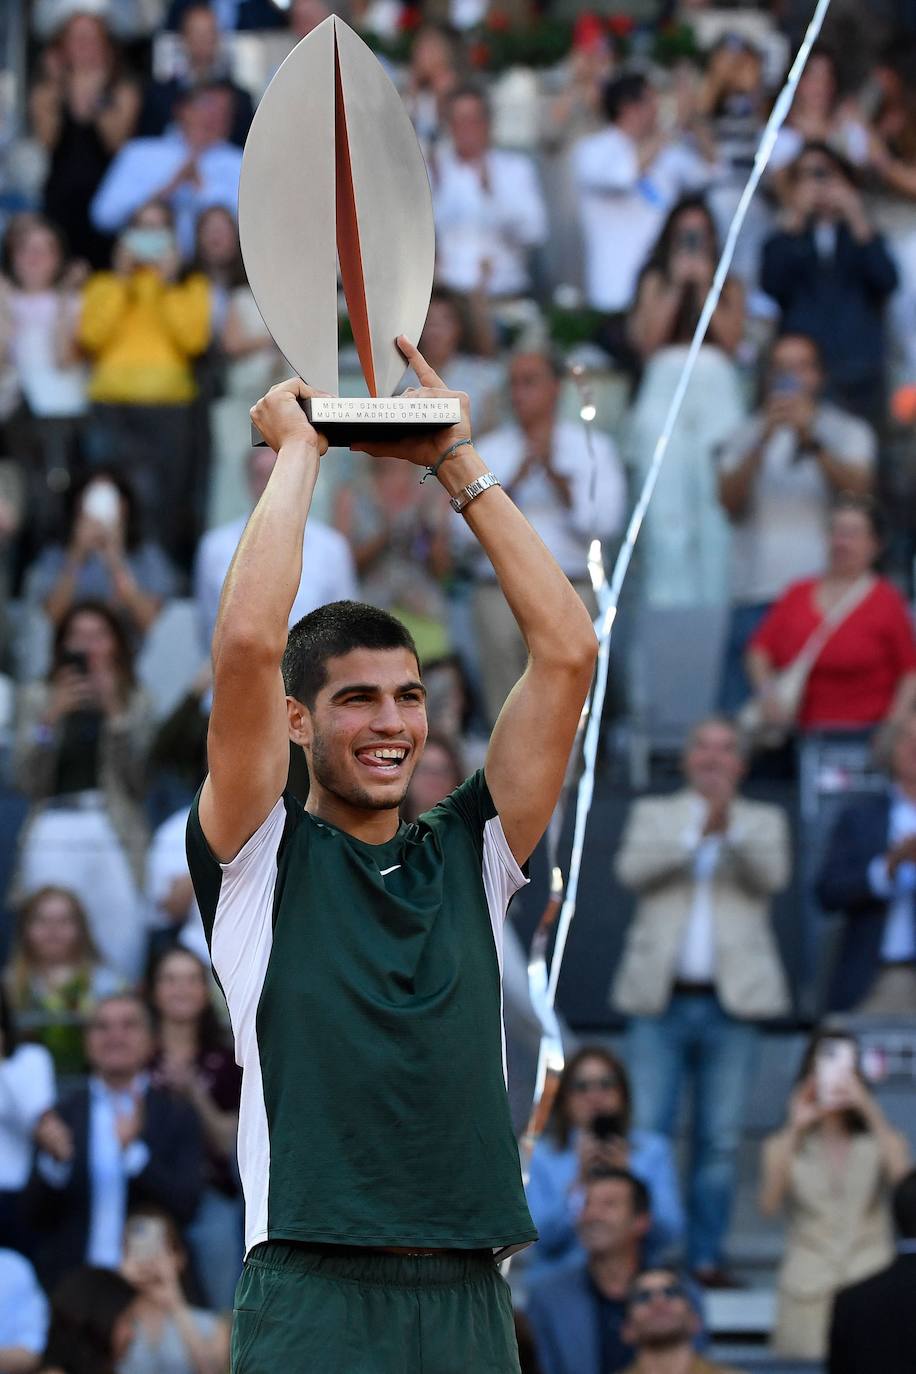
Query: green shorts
pixel 302 1309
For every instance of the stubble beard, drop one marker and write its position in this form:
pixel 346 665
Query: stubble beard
pixel 335 780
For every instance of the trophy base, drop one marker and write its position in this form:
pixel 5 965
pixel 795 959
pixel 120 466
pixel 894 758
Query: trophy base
pixel 345 420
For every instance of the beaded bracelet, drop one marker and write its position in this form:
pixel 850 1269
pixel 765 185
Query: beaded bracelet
pixel 431 472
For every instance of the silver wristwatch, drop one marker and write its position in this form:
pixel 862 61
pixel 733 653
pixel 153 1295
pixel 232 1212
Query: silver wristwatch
pixel 474 489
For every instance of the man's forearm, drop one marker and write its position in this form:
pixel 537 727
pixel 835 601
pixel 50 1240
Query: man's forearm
pixel 264 576
pixel 549 612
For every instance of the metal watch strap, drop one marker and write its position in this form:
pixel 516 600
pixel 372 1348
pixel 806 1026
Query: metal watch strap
pixel 473 490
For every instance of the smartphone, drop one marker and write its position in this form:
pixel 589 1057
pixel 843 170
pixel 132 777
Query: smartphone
pixel 608 1126
pixel 785 384
pixel 834 1070
pixel 145 1239
pixel 73 658
pixel 102 502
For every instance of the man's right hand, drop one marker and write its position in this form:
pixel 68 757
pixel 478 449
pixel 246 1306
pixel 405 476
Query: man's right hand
pixel 281 419
pixel 902 853
pixel 53 1135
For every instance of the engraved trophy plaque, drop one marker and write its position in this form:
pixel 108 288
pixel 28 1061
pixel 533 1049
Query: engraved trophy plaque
pixel 333 173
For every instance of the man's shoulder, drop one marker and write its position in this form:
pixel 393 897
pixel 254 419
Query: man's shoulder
pixel 841 426
pixel 571 1281
pixel 609 139
pixel 759 811
pixel 661 808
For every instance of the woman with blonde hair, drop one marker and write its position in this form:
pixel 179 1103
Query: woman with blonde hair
pixel 55 977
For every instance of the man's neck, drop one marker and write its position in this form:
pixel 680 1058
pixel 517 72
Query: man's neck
pixel 675 1359
pixel 372 827
pixel 539 433
pixel 612 1274
pixel 117 1082
pixel 907 788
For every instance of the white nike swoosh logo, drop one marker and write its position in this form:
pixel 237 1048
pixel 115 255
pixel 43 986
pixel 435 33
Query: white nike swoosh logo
pixel 383 871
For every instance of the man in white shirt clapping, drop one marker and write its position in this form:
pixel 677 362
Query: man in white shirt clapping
pixel 569 494
pixel 488 205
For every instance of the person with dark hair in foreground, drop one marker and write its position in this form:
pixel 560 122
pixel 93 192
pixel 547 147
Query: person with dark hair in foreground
pixel 360 957
pixel 874 1322
pixel 92 1322
pixel 662 1325
pixel 577 1314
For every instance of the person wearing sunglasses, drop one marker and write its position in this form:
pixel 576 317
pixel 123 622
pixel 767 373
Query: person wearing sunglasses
pixel 590 1127
pixel 662 1325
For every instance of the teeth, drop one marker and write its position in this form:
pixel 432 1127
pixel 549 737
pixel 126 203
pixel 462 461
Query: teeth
pixel 397 754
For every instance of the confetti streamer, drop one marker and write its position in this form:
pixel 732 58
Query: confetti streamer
pixel 561 906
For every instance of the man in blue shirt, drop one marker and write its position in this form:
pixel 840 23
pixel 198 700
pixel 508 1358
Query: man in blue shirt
pixel 191 167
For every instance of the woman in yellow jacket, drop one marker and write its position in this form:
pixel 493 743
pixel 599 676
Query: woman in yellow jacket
pixel 143 327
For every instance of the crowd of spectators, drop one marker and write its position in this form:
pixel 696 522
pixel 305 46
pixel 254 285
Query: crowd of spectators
pixel 584 167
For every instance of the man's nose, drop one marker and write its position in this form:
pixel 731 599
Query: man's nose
pixel 387 718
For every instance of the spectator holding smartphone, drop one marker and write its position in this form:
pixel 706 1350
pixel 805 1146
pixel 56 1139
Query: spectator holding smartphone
pixel 590 1128
pixel 79 755
pixel 104 557
pixel 831 1168
pixel 831 274
pixel 170 1336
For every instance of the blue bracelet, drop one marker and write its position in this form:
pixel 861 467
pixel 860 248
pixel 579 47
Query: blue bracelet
pixel 431 472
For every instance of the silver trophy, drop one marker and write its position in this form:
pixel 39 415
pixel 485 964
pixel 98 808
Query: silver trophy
pixel 333 174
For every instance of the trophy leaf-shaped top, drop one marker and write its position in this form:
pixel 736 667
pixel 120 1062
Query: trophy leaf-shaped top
pixel 332 167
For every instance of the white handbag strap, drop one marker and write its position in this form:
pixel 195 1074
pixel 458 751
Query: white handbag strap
pixel 816 642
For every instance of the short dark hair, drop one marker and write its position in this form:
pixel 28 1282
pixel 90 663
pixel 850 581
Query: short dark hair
pixel 639 1193
pixel 621 91
pixel 841 165
pixel 330 632
pixel 469 91
pixel 903 1203
pixel 85 1308
pixel 866 506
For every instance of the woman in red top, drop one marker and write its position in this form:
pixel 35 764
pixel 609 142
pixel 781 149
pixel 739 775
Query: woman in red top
pixel 866 671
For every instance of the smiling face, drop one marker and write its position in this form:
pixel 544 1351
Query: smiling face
pixel 659 1314
pixel 366 730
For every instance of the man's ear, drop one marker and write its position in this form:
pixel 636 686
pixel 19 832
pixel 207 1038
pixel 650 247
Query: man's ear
pixel 300 722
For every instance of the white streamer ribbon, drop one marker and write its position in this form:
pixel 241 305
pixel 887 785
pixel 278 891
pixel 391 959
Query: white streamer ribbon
pixel 543 984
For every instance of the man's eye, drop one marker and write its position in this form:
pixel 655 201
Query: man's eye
pixel 412 696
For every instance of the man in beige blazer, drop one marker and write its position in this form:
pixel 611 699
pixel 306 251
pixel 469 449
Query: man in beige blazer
pixel 700 966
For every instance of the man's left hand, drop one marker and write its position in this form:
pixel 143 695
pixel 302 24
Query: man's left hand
pixel 421 449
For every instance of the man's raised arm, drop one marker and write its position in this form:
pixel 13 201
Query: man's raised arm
pixel 248 739
pixel 530 745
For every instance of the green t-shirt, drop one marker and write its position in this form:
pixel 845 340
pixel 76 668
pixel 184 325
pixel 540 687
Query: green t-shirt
pixel 364 986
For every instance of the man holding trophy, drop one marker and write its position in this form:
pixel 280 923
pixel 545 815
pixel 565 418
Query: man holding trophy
pixel 361 956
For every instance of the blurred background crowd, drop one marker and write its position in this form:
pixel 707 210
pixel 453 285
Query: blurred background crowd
pixel 730 1147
